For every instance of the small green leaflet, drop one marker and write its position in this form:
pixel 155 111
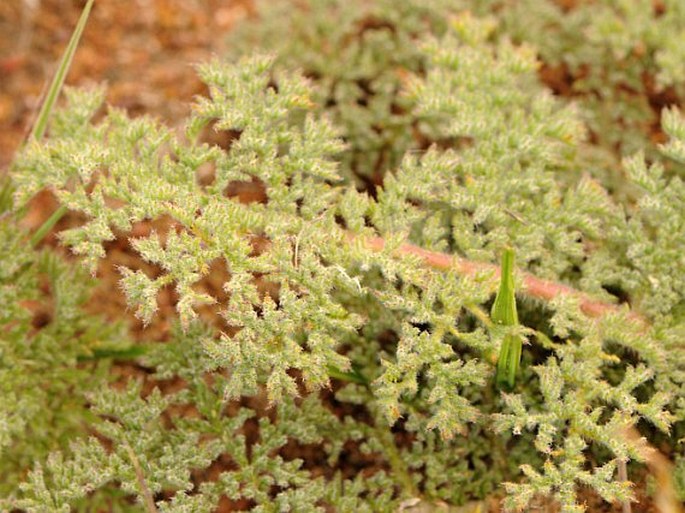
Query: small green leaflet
pixel 504 314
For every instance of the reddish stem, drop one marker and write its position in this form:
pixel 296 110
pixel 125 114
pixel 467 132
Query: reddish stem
pixel 532 285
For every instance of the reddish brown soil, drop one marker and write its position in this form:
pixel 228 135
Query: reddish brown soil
pixel 143 49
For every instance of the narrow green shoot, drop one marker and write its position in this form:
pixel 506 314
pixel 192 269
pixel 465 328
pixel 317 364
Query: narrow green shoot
pixel 116 354
pixel 51 221
pixel 504 314
pixel 354 376
pixel 5 195
pixel 41 124
pixel 58 81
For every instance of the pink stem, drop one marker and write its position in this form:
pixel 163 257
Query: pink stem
pixel 533 286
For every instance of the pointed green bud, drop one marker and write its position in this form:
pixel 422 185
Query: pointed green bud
pixel 504 314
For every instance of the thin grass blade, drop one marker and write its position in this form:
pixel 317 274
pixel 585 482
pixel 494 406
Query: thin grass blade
pixel 41 124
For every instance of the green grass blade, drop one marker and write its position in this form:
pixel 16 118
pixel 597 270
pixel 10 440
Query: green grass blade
pixel 116 354
pixel 41 123
pixel 353 376
pixel 47 225
pixel 5 195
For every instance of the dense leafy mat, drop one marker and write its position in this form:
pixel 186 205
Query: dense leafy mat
pixel 336 374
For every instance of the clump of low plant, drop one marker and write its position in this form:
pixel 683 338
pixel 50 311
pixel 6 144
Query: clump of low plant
pixel 51 352
pixel 357 54
pixel 357 322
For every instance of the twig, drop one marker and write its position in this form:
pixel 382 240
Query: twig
pixel 144 490
pixel 623 477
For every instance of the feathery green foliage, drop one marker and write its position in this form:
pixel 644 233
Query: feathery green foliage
pixel 623 59
pixel 166 455
pixel 620 61
pixel 357 53
pixel 331 344
pixel 47 344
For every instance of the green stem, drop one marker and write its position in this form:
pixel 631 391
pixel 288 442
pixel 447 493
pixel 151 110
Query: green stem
pixel 479 314
pixel 116 354
pixel 397 464
pixel 43 117
pixel 58 81
pixel 48 225
pixel 353 377
pixel 5 195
